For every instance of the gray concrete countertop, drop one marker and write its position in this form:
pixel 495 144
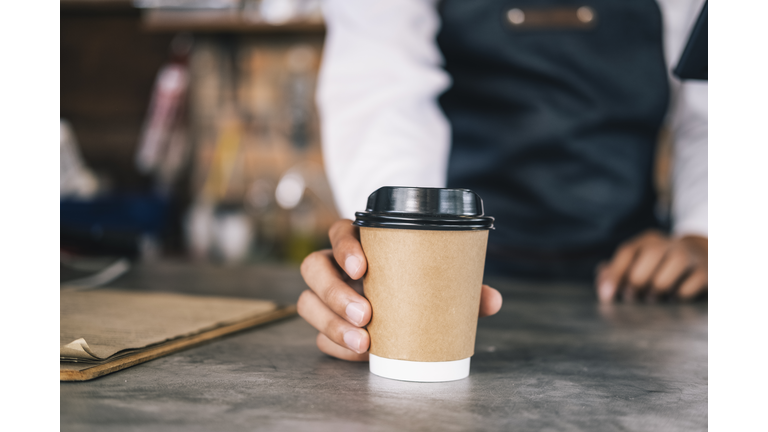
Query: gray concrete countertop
pixel 552 359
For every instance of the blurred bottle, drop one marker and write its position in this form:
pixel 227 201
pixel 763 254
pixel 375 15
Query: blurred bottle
pixel 279 12
pixel 198 228
pixel 186 4
pixel 264 211
pixel 300 60
pixel 165 110
pixel 222 232
pixel 233 234
pixel 75 179
pixel 305 194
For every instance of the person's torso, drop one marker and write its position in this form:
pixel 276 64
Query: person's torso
pixel 554 121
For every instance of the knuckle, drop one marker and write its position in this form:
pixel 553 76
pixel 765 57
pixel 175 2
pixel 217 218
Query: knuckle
pixel 348 244
pixel 331 294
pixel 654 234
pixel 305 265
pixel 660 283
pixel 652 251
pixel 301 304
pixel 337 226
pixel 659 248
pixel 678 254
pixel 647 238
pixel 332 230
pixel 309 261
pixel 637 277
pixel 333 330
pixel 322 344
pixel 625 253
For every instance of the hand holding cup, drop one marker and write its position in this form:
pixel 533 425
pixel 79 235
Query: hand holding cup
pixel 334 304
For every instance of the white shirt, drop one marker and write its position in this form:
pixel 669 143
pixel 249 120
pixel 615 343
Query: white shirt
pixel 381 124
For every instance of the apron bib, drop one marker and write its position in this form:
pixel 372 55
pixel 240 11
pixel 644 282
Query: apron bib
pixel 555 110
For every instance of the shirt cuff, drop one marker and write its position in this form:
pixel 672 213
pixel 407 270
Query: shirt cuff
pixel 694 223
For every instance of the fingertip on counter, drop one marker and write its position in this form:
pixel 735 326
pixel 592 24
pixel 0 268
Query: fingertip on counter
pixel 606 291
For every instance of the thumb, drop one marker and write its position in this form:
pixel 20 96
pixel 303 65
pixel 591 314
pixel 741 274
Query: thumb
pixel 490 301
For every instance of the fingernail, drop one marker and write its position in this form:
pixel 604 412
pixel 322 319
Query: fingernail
pixel 605 291
pixel 355 312
pixel 353 339
pixel 352 265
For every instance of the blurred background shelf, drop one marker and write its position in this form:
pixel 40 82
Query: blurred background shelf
pixel 221 21
pixel 245 124
pixel 246 18
pixel 96 4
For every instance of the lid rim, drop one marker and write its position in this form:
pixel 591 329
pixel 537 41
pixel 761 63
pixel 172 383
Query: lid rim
pixel 424 208
pixel 424 227
pixel 418 221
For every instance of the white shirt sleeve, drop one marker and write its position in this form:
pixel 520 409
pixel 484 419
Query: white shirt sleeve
pixel 377 99
pixel 688 119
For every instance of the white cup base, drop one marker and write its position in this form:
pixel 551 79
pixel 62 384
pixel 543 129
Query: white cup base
pixel 405 370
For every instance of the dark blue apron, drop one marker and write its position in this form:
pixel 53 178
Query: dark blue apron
pixel 554 124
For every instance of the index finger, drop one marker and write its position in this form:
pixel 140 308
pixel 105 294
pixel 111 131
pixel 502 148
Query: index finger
pixel 345 241
pixel 611 277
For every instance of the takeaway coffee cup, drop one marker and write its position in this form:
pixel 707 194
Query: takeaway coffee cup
pixel 426 254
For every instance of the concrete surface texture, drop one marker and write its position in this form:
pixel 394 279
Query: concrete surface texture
pixel 552 359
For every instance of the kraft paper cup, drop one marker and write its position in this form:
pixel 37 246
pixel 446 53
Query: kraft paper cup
pixel 424 286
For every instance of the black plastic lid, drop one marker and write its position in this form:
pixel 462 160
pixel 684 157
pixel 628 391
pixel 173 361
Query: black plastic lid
pixel 424 209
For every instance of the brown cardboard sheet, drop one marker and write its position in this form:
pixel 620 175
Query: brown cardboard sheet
pixel 99 325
